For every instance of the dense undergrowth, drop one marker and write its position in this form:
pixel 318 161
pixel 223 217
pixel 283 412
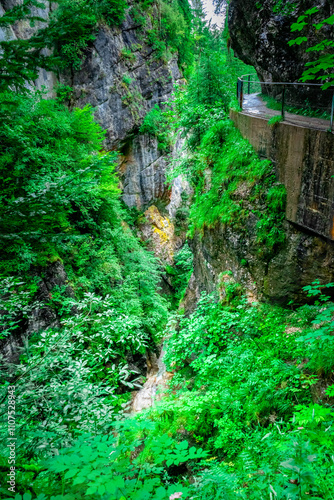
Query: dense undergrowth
pixel 245 385
pixel 61 213
pixel 239 420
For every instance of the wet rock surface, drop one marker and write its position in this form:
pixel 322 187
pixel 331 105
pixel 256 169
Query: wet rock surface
pixel 156 382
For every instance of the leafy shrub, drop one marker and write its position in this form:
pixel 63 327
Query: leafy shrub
pixel 241 391
pixel 127 80
pixel 182 270
pixel 321 68
pixel 60 200
pixel 155 124
pixel 47 168
pixel 73 26
pixel 174 29
pixel 274 120
pixel 128 54
pixel 109 464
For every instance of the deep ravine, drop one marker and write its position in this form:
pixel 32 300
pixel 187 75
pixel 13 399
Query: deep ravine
pixel 167 262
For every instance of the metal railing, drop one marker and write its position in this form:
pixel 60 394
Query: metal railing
pixel 250 84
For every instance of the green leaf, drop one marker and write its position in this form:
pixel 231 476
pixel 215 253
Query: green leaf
pixel 71 473
pixel 311 11
pixel 298 26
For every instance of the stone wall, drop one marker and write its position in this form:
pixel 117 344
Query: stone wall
pixel 304 160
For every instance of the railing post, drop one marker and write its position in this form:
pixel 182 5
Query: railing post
pixel 332 114
pixel 283 102
pixel 249 84
pixel 241 94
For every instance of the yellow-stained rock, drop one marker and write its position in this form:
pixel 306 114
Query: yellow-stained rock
pixel 158 230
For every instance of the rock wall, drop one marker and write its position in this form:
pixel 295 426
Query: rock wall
pixel 224 255
pixel 123 79
pixel 260 37
pixel 43 316
pixel 279 279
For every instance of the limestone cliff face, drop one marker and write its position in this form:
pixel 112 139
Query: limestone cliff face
pixel 23 30
pixel 260 37
pixel 123 79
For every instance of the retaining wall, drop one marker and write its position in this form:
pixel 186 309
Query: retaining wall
pixel 304 160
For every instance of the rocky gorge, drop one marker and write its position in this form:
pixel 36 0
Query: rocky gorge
pixel 121 77
pixel 167 265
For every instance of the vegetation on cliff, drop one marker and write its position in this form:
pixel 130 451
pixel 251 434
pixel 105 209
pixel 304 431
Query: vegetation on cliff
pixel 72 27
pixel 248 413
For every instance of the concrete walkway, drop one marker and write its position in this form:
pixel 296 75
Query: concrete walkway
pixel 254 105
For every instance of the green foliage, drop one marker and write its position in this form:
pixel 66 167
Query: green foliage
pixel 48 171
pixel 68 376
pixel 222 168
pixel 274 119
pixel 241 388
pixel 112 471
pixel 181 272
pixel 73 25
pixel 170 29
pixel 112 11
pixel 127 80
pixel 320 336
pixel 285 7
pixel 321 68
pixel 78 22
pixel 175 29
pixel 128 54
pixel 156 124
pixel 60 199
pixel 64 92
pixel 16 303
pixel 245 376
pixel 222 162
pixel 21 58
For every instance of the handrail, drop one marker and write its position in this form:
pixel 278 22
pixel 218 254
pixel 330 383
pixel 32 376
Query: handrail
pixel 248 81
pixel 288 83
pixel 279 83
